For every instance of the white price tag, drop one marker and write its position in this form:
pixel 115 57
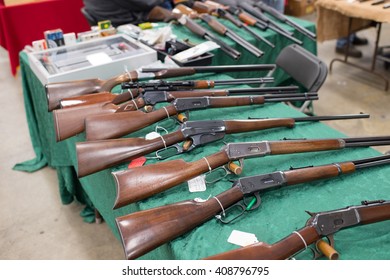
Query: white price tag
pixel 198 184
pixel 152 135
pixel 241 238
pixel 98 58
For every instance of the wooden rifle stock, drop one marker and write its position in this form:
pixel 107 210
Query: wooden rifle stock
pixel 55 92
pixel 279 251
pixel 93 156
pixel 69 122
pixel 100 97
pixel 146 230
pixel 116 125
pixel 150 180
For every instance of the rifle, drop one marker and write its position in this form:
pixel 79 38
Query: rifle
pixel 146 230
pixel 221 29
pixel 263 23
pixel 58 91
pixel 196 84
pixel 93 156
pixel 108 126
pixel 69 122
pixel 150 98
pixel 158 13
pixel 225 14
pixel 210 7
pixel 318 226
pixel 278 15
pixel 141 182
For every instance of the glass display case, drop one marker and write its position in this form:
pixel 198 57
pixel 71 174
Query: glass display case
pixel 98 58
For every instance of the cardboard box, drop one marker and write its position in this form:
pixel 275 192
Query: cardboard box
pixel 298 8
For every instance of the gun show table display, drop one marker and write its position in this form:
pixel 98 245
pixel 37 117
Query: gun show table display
pixel 329 170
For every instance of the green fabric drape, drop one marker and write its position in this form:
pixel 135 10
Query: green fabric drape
pixel 281 212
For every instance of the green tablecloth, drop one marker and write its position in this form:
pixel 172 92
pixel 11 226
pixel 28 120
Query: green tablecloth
pixel 281 212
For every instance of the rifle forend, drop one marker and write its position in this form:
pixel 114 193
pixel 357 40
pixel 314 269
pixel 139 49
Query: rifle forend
pixel 322 224
pixel 146 230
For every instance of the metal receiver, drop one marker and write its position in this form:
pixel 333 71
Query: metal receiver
pixel 330 222
pixel 236 151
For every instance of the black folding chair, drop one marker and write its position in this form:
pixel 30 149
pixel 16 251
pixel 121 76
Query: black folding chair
pixel 304 67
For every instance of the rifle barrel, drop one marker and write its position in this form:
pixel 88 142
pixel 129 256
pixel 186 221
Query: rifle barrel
pixel 223 30
pixel 248 46
pixel 224 47
pixel 328 118
pixel 246 80
pixel 257 36
pixel 269 90
pixel 374 161
pixel 262 22
pixel 221 69
pixel 275 13
pixel 174 85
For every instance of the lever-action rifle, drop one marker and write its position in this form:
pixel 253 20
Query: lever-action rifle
pixel 318 226
pixel 146 230
pixel 93 156
pixel 69 122
pixel 226 15
pixel 115 125
pixel 141 182
pixel 278 15
pixel 151 98
pixel 195 84
pixel 58 91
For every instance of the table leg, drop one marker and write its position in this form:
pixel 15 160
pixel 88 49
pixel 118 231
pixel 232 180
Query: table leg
pixel 372 68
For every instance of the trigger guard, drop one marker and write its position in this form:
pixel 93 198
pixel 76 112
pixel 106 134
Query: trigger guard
pixel 257 204
pixel 179 150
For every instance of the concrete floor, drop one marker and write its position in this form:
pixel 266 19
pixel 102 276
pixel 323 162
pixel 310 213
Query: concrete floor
pixel 34 224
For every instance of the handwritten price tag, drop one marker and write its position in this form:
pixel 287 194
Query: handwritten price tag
pixel 137 162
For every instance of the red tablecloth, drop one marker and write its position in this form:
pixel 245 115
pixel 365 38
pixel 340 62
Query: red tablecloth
pixel 22 24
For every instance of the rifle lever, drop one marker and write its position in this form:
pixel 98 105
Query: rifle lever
pixel 170 151
pixel 241 206
pixel 176 148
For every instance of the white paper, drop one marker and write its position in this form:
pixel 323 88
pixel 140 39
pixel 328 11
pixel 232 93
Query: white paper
pixel 197 184
pixel 98 58
pixel 152 135
pixel 242 238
